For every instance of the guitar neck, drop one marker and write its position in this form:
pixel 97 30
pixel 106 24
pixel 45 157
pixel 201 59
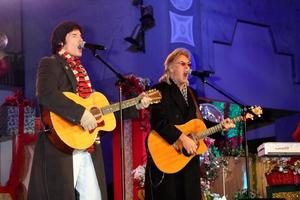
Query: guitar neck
pixel 216 128
pixel 116 106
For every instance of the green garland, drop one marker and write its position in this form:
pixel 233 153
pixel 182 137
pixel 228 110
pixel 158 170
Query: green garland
pixel 234 136
pixel 233 147
pixel 242 194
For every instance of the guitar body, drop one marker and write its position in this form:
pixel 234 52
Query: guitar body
pixel 74 135
pixel 170 158
pixel 67 136
pixel 165 156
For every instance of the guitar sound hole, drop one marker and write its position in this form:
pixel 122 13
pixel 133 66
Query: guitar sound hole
pixel 184 151
pixel 96 112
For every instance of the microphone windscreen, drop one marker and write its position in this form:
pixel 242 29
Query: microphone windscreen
pixel 81 45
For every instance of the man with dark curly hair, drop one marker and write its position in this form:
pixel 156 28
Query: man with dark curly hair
pixel 58 172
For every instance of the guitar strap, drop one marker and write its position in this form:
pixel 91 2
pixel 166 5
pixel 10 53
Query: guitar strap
pixel 198 114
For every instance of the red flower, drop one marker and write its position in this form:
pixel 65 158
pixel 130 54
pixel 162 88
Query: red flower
pixel 133 85
pixel 17 99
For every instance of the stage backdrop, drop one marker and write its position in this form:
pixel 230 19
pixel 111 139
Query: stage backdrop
pixel 253 53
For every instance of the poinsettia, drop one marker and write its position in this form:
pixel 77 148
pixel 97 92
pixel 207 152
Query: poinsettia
pixel 133 85
pixel 139 175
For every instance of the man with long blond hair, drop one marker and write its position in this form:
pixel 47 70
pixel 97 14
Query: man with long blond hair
pixel 178 106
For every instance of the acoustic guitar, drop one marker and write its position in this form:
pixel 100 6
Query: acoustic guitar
pixel 74 136
pixel 172 158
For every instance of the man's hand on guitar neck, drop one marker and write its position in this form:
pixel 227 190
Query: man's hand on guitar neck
pixel 227 124
pixel 144 102
pixel 88 121
pixel 188 143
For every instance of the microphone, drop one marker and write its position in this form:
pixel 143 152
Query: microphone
pixel 91 46
pixel 202 74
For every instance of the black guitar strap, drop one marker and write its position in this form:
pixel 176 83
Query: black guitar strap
pixel 198 114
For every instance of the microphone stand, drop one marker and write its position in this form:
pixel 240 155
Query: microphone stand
pixel 121 79
pixel 244 108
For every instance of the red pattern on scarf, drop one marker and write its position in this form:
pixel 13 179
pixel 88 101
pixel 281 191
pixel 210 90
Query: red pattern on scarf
pixel 83 87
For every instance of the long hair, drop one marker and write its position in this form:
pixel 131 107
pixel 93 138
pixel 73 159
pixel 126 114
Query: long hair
pixel 169 61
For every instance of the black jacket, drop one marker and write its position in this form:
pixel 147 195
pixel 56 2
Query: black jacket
pixel 52 170
pixel 172 110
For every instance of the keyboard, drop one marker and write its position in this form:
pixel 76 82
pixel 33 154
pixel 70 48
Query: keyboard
pixel 279 149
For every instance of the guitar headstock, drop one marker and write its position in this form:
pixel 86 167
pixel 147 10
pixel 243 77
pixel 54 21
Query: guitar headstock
pixel 155 95
pixel 253 111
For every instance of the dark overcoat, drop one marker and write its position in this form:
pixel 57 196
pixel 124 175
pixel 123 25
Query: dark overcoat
pixel 172 110
pixel 52 170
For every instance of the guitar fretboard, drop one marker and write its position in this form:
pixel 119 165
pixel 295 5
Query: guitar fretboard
pixel 116 106
pixel 215 128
